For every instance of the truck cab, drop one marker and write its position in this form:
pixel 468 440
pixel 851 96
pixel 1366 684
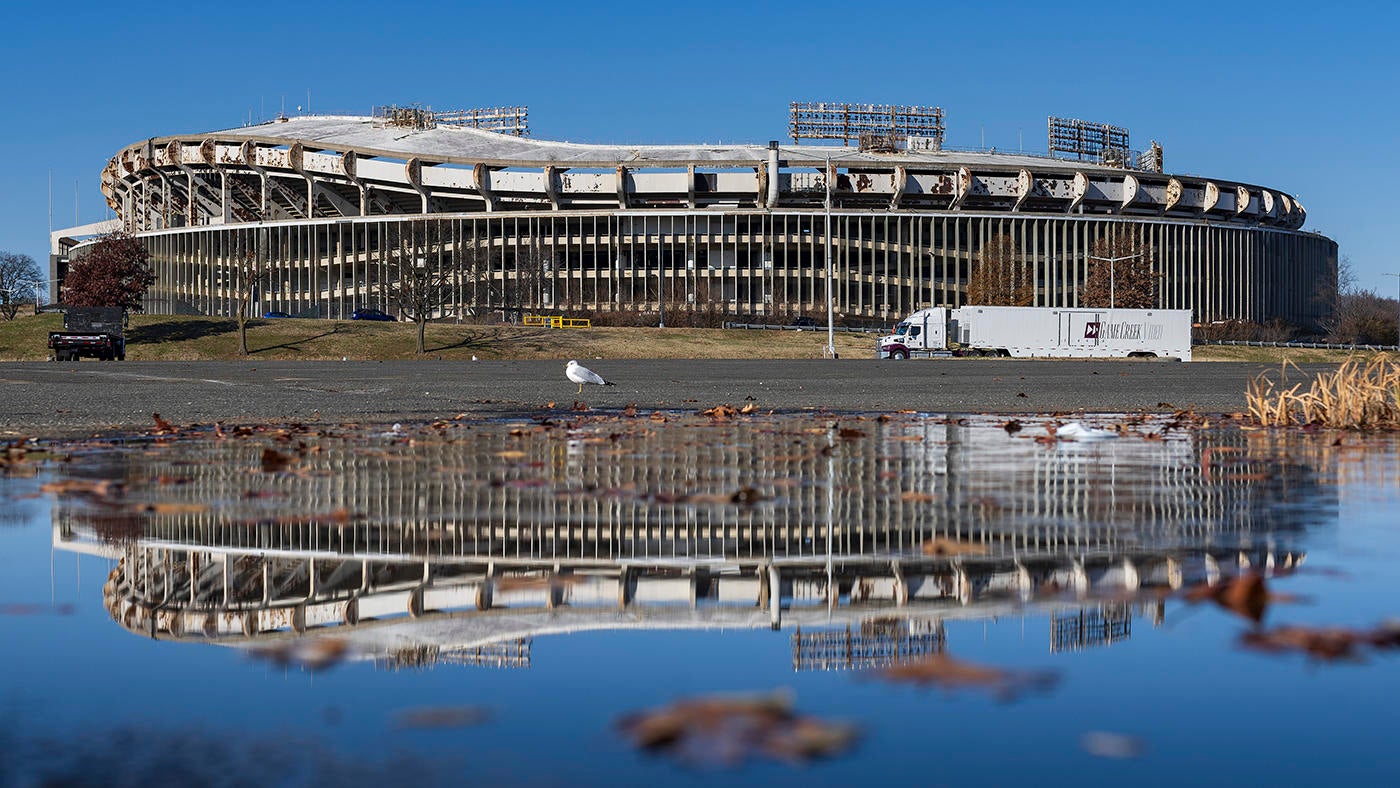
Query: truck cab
pixel 921 333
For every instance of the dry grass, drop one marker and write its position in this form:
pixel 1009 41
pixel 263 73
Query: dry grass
pixel 1359 395
pixel 1278 355
pixel 164 338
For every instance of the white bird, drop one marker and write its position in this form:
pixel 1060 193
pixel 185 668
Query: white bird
pixel 580 374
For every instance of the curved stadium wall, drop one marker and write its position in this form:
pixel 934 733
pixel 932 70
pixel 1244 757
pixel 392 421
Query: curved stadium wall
pixel 326 202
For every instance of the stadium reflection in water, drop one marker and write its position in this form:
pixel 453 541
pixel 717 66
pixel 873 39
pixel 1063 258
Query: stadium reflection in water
pixel 462 543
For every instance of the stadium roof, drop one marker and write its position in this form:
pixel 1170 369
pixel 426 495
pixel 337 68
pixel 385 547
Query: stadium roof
pixel 370 136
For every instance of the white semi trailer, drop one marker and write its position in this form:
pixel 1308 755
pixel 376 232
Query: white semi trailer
pixel 1026 332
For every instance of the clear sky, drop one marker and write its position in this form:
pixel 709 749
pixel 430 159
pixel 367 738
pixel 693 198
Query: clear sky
pixel 1296 96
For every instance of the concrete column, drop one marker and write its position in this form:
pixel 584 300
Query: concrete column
pixel 771 199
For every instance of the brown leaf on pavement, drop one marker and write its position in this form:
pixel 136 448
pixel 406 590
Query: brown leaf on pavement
pixel 720 412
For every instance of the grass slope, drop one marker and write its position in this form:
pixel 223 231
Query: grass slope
pixel 165 338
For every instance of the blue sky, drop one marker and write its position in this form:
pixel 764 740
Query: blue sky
pixel 1299 97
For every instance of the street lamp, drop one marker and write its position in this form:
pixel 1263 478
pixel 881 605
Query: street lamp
pixel 830 299
pixel 1112 264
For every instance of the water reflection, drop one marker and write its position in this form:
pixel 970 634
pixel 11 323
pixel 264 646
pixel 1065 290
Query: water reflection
pixel 461 543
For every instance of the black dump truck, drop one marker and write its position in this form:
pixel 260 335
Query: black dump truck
pixel 95 332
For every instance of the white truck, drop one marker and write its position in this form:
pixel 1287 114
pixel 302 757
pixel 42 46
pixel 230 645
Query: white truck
pixel 1027 331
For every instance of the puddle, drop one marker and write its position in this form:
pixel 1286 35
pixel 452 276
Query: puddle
pixel 525 585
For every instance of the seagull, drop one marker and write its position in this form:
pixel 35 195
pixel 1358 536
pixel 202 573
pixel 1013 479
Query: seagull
pixel 580 374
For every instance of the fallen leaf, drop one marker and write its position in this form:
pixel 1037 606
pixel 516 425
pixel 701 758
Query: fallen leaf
pixel 950 674
pixel 727 731
pixel 100 488
pixel 1326 644
pixel 720 412
pixel 314 654
pixel 944 546
pixel 1246 596
pixel 274 461
pixel 914 496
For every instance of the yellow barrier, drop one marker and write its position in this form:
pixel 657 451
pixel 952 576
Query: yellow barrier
pixel 557 321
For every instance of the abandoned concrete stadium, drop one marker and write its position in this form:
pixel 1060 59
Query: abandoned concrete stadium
pixel 325 201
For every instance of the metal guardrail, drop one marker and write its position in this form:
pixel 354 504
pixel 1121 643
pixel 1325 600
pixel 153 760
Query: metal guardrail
pixel 840 329
pixel 557 321
pixel 1317 345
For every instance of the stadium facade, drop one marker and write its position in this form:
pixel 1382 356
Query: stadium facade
pixel 326 202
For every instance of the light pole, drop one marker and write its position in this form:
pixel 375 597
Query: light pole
pixel 1112 264
pixel 661 291
pixel 830 299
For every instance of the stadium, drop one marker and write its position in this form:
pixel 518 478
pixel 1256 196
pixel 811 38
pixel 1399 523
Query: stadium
pixel 330 206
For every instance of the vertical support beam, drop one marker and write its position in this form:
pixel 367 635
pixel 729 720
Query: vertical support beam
pixel 481 178
pixel 770 201
pixel 901 183
pixel 226 209
pixel 622 187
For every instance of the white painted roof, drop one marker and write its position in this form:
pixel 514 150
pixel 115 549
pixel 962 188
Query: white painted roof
pixel 457 144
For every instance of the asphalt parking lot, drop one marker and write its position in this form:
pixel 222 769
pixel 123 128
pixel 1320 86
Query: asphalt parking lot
pixel 54 399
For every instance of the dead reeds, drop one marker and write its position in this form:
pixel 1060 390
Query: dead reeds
pixel 1357 396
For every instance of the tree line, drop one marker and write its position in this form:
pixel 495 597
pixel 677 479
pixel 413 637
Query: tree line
pixel 1121 273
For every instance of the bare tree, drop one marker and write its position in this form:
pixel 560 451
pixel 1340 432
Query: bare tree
pixel 1123 275
pixel 19 278
pixel 247 278
pixel 417 274
pixel 999 278
pixel 1357 316
pixel 524 285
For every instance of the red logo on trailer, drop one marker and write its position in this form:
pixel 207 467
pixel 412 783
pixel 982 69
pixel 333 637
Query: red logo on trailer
pixel 1091 330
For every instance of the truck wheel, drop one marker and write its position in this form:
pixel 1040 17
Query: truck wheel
pixel 900 355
